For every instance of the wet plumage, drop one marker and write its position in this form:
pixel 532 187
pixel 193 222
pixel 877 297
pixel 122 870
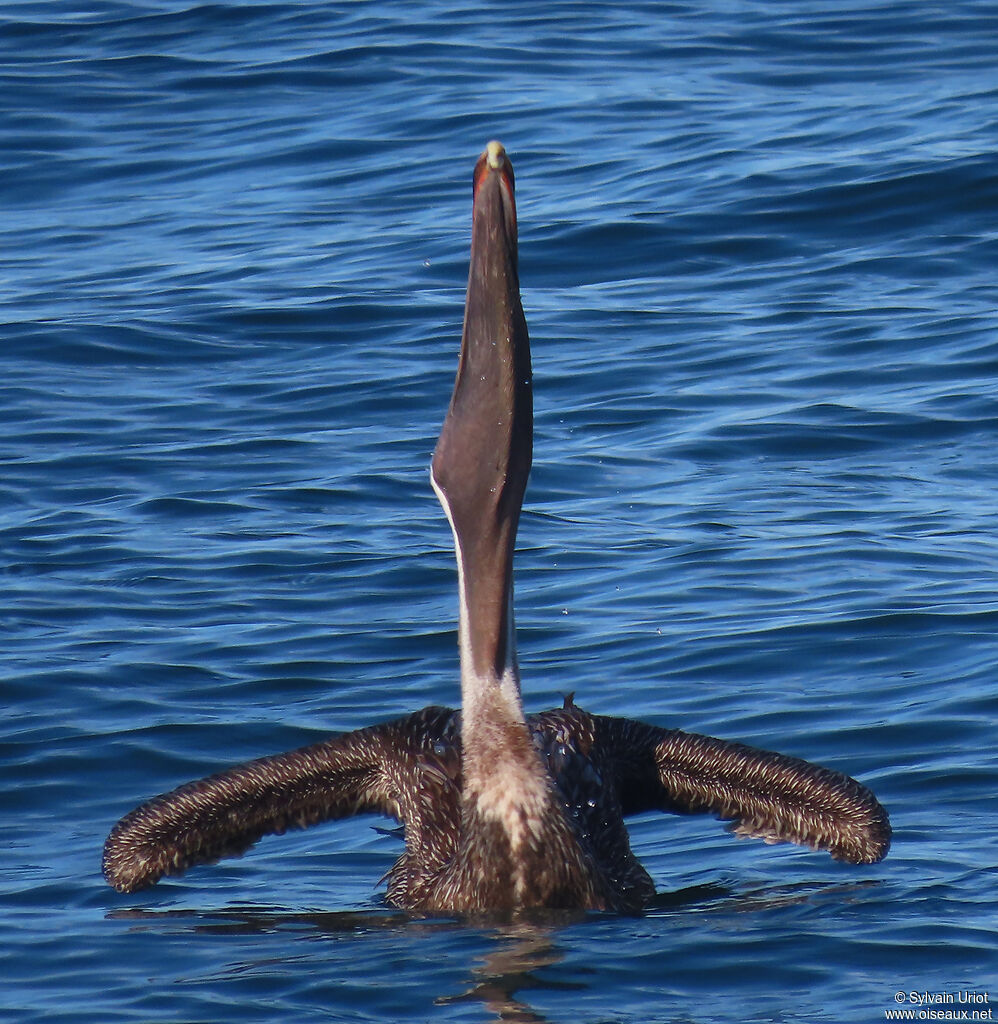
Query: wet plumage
pixel 499 810
pixel 601 770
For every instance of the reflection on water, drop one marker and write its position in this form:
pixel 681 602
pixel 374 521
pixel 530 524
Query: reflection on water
pixel 519 949
pixel 521 952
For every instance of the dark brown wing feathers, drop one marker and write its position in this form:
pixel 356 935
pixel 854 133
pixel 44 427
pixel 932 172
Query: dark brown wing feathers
pixel 409 769
pixel 223 815
pixel 766 795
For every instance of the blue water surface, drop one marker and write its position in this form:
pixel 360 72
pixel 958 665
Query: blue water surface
pixel 758 253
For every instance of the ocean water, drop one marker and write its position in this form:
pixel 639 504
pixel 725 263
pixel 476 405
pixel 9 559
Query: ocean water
pixel 759 246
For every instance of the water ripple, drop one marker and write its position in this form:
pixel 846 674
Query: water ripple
pixel 757 256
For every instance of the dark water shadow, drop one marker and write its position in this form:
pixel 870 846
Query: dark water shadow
pixel 770 897
pixel 524 944
pixel 261 919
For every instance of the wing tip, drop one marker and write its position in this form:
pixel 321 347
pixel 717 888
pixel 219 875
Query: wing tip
pixel 125 868
pixel 859 834
pixel 775 797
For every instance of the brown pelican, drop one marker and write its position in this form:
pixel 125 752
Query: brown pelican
pixel 500 810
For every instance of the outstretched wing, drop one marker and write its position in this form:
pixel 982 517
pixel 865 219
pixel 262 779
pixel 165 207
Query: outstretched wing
pixel 224 814
pixel 765 795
